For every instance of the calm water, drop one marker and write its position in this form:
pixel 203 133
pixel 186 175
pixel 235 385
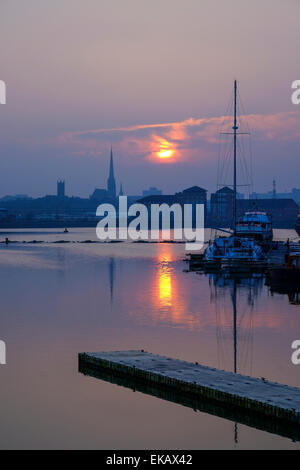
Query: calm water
pixel 58 300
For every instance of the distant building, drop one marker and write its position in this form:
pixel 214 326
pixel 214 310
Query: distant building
pixel 109 194
pixel 221 205
pixel 274 192
pixel 99 194
pixel 293 194
pixel 133 199
pixel 60 188
pixel 111 183
pixel 296 195
pixel 151 191
pixel 193 196
pixel 157 199
pixel 15 197
pixel 3 213
pixel 283 211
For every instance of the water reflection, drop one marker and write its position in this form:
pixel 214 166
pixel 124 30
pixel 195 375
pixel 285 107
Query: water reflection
pixel 111 268
pixel 292 291
pixel 167 293
pixel 238 321
pixel 234 301
pixel 165 280
pixel 242 416
pixel 89 297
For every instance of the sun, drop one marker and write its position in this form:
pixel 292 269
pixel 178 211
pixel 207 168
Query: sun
pixel 165 149
pixel 165 153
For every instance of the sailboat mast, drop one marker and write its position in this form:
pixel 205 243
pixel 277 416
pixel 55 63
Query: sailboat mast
pixel 235 128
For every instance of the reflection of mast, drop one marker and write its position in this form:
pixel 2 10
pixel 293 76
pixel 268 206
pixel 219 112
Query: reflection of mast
pixel 111 278
pixel 239 318
pixel 220 284
pixel 233 296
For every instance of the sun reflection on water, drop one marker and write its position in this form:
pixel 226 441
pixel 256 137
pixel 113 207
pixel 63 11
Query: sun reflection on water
pixel 165 283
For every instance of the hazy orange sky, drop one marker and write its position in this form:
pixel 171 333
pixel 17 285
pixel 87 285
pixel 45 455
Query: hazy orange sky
pixel 148 78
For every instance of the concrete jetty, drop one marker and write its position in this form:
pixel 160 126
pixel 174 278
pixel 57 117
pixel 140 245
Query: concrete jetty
pixel 230 395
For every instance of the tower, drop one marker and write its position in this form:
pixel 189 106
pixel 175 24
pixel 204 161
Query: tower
pixel 60 188
pixel 111 183
pixel 121 193
pixel 274 190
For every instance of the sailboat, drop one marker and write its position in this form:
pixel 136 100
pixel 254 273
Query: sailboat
pixel 237 252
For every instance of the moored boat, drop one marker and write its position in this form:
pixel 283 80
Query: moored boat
pixel 297 225
pixel 235 254
pixel 256 225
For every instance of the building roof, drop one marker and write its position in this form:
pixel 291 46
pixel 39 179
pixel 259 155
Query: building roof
pixel 99 193
pixel 226 190
pixel 194 189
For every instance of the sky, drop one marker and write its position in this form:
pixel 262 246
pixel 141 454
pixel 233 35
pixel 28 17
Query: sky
pixel 152 80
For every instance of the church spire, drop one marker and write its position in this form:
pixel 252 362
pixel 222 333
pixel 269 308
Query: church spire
pixel 111 183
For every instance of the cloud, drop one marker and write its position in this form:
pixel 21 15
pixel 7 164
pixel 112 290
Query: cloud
pixel 188 139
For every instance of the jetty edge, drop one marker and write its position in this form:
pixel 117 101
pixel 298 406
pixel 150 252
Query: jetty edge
pixel 269 399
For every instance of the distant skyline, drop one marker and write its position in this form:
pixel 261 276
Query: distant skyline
pixel 151 79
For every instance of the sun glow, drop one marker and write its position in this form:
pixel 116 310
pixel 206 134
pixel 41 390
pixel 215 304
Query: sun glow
pixel 165 153
pixel 165 150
